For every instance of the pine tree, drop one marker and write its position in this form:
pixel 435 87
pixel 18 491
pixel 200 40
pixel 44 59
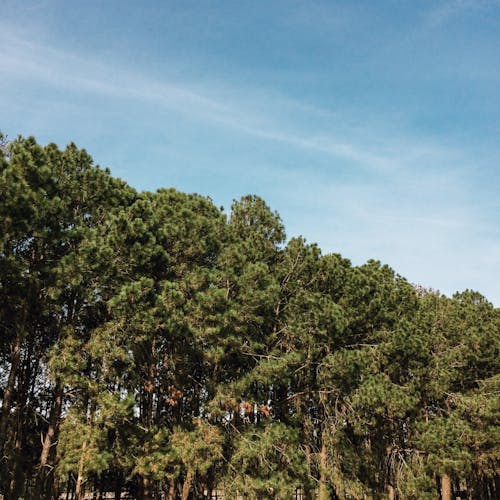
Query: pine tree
pixel 159 347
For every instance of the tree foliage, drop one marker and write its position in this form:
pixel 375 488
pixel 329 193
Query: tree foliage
pixel 160 347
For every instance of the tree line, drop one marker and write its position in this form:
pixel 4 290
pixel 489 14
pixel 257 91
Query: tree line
pixel 152 344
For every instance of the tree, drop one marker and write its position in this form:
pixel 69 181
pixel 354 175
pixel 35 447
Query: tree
pixel 159 347
pixel 52 199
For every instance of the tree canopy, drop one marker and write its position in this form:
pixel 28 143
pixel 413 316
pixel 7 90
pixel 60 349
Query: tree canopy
pixel 152 345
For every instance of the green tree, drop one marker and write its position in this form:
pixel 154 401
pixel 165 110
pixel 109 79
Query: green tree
pixel 51 200
pixel 161 348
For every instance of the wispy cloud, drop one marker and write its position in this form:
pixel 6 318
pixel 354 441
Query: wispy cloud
pixel 408 203
pixel 362 148
pixel 60 69
pixel 422 165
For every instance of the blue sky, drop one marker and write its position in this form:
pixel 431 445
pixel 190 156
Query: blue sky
pixel 371 127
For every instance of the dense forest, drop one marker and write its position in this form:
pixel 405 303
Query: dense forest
pixel 153 346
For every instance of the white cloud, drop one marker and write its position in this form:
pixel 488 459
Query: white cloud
pixel 407 204
pixel 72 73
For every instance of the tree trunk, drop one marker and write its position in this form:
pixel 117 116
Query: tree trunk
pixel 16 483
pixel 9 390
pixel 56 487
pixel 50 437
pixel 391 492
pixel 323 493
pixel 307 452
pixel 145 488
pixel 80 480
pixel 118 486
pixel 171 490
pixel 17 428
pixel 186 487
pixel 68 486
pixel 445 487
pixel 45 480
